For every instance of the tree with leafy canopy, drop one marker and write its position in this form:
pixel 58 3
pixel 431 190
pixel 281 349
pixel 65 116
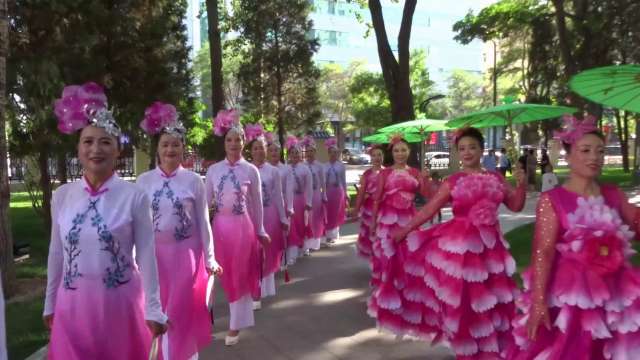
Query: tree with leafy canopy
pixel 278 76
pixel 137 50
pixel 395 71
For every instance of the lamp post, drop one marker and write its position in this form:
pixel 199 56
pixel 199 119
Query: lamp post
pixel 423 107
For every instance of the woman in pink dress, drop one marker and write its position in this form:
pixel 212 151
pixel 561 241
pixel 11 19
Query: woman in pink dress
pixel 393 209
pixel 184 245
pixel 302 199
pixel 461 270
pixel 336 185
pixel 273 157
pixel 98 297
pixel 364 202
pixel 582 297
pixel 234 193
pixel 276 223
pixel 317 214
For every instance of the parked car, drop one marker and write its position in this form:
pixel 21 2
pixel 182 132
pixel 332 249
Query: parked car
pixel 355 156
pixel 437 159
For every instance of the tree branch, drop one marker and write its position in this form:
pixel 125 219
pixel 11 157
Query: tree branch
pixel 404 35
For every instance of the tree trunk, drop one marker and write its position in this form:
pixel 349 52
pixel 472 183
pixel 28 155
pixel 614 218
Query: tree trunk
pixel 215 53
pixel 279 94
pixel 624 144
pixel 395 72
pixel 45 187
pixel 6 242
pixel 61 168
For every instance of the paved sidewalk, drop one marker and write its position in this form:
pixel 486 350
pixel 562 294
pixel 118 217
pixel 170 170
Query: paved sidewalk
pixel 321 313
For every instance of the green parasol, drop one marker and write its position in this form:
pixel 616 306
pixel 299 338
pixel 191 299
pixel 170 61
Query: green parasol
pixel 615 86
pixel 416 126
pixel 383 138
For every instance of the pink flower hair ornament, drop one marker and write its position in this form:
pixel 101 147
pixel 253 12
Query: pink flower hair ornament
pixel 308 142
pixel 574 129
pixel 292 143
pixel 331 143
pixel 161 117
pixel 253 132
pixel 394 139
pixel 225 121
pixel 84 105
pixel 457 134
pixel 271 139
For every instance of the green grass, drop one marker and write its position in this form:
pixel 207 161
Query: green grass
pixel 520 240
pixel 25 329
pixel 610 175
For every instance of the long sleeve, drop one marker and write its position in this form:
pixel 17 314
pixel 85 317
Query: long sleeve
pixel 289 186
pixel 323 182
pixel 515 197
pixel 56 257
pixel 543 252
pixel 343 177
pixel 255 200
pixel 204 227
pixel 209 187
pixel 146 258
pixel 278 196
pixel 308 186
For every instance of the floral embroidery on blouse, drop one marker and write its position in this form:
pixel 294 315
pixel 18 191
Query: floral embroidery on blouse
pixel 182 231
pixel 298 188
pixel 114 274
pixel 333 171
pixel 238 205
pixel 266 196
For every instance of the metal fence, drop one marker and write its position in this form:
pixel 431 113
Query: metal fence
pixel 19 168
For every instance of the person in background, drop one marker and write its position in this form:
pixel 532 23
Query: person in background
pixel 490 161
pixel 504 163
pixel 532 164
pixel 317 215
pixel 544 161
pixel 549 179
pixel 434 185
pixel 336 187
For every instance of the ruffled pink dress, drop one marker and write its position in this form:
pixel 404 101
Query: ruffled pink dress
pixel 184 245
pixel 274 217
pixel 392 310
pixel 593 291
pixel 364 244
pixel 234 192
pixel 466 267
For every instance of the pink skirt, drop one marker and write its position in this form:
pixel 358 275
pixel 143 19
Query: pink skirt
pixel 336 207
pixel 317 218
pixel 94 322
pixel 365 240
pixel 297 227
pixel 183 286
pixel 236 247
pixel 273 252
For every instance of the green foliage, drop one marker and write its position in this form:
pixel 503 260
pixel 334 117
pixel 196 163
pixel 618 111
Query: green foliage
pixel 278 76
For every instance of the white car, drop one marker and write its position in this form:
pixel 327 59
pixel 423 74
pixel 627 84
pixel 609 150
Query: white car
pixel 437 159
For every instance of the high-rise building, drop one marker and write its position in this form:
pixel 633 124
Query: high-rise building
pixel 343 37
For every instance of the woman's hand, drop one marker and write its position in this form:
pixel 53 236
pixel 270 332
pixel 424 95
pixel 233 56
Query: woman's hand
pixel 265 240
pixel 520 177
pixel 48 321
pixel 157 328
pixel 217 270
pixel 539 314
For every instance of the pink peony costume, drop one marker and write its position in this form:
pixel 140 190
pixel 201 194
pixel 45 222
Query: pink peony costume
pixel 368 185
pixel 592 292
pixel 99 296
pixel 396 208
pixel 317 216
pixel 274 218
pixel 234 192
pixel 467 267
pixel 184 245
pixel 336 185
